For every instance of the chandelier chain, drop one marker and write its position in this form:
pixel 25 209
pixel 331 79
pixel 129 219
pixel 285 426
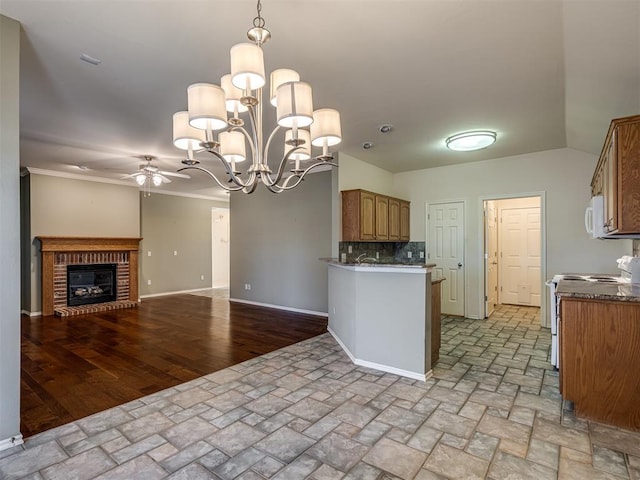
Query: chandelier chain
pixel 258 21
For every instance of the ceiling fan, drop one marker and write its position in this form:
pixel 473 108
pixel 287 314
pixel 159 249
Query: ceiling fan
pixel 148 174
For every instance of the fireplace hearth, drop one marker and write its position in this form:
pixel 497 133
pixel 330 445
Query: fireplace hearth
pixel 92 283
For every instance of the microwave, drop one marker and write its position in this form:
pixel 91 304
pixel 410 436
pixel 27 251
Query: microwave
pixel 594 220
pixel 594 217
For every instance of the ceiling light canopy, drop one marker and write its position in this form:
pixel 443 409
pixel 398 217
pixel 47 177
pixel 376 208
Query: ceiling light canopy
pixel 195 130
pixel 469 141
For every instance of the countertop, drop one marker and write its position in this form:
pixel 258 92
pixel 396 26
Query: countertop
pixel 621 292
pixel 382 267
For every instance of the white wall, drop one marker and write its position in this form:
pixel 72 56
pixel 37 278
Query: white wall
pixel 78 208
pixel 356 174
pixel 9 233
pixel 564 176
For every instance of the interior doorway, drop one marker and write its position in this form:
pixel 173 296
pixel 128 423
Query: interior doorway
pixel 513 252
pixel 220 247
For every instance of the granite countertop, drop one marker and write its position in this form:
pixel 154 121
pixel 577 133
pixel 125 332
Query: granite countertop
pixel 379 266
pixel 621 292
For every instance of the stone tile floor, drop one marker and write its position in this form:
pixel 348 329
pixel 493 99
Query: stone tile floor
pixel 491 410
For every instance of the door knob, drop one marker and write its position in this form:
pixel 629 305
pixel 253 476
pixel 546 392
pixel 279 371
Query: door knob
pixel 459 264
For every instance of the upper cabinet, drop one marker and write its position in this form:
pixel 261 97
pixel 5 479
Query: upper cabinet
pixel 617 177
pixel 371 217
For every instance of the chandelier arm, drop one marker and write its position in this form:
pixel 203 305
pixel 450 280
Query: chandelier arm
pixel 220 184
pixel 232 175
pixel 266 148
pixel 286 186
pixel 270 182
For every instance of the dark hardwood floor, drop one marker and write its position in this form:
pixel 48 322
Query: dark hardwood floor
pixel 75 366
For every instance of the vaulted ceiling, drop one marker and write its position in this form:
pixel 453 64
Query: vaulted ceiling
pixel 543 74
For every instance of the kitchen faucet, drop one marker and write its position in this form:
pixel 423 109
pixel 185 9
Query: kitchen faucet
pixel 360 260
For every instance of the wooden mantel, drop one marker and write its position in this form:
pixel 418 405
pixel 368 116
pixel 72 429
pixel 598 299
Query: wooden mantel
pixel 50 246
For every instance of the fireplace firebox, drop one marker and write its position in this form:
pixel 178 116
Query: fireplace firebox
pixel 92 283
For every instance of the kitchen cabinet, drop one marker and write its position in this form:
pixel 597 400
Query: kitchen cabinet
pixel 599 363
pixel 405 229
pixel 369 216
pixel 617 177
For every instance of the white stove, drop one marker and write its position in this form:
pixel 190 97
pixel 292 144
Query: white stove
pixel 629 274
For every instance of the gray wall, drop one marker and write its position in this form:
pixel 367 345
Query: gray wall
pixel 276 241
pixel 25 242
pixel 169 224
pixel 9 231
pixel 78 208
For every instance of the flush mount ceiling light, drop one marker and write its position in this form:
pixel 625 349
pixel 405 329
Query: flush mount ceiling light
pixel 469 141
pixel 241 93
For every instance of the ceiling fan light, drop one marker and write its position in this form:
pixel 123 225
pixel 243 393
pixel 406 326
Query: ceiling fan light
pixel 140 179
pixel 278 77
pixel 472 140
pixel 157 179
pixel 295 104
pixel 304 153
pixel 247 66
pixel 232 95
pixel 232 146
pixel 206 105
pixel 185 136
pixel 325 128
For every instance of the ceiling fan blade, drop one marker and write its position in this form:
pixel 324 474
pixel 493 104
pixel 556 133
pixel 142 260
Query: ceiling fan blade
pixel 164 179
pixel 173 174
pixel 130 175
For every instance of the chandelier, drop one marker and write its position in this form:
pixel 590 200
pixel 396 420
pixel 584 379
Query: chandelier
pixel 240 92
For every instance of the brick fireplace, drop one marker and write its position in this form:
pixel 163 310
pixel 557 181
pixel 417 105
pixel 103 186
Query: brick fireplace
pixel 59 252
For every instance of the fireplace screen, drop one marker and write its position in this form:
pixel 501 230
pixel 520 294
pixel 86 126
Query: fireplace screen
pixel 87 284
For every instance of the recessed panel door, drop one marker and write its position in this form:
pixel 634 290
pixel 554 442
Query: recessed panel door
pixel 520 256
pixel 446 250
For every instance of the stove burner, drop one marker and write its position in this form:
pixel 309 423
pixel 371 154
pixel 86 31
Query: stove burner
pixel 573 277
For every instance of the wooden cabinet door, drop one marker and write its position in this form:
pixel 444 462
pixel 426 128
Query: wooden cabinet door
pixel 382 217
pixel 610 187
pixel 368 207
pixel 405 221
pixel 394 219
pixel 626 151
pixel 436 314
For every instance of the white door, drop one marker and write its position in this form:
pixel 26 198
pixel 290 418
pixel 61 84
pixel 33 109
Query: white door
pixel 219 247
pixel 446 250
pixel 519 239
pixel 491 257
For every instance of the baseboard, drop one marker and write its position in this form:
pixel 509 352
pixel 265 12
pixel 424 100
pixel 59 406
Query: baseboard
pixel 423 377
pixel 176 292
pixel 280 307
pixel 30 314
pixel 11 442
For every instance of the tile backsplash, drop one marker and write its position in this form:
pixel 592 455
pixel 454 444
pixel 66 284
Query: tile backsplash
pixel 636 248
pixel 384 252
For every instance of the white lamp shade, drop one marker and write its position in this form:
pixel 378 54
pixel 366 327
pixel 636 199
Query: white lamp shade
pixel 303 153
pixel 278 77
pixel 232 146
pixel 206 105
pixel 295 104
pixel 325 129
pixel 140 179
pixel 157 179
pixel 184 135
pixel 247 66
pixel 232 95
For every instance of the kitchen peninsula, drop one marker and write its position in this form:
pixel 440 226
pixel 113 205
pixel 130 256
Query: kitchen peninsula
pixel 381 315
